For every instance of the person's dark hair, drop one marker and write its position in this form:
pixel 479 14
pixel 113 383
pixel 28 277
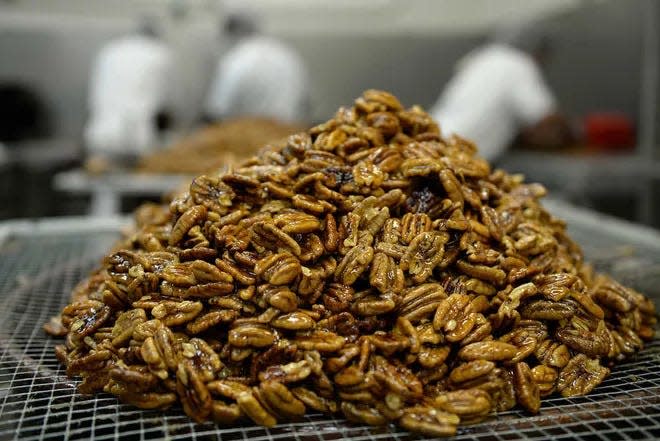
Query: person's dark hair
pixel 239 25
pixel 23 114
pixel 148 26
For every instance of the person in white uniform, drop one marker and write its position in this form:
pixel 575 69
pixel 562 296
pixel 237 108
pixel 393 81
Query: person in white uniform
pixel 258 76
pixel 128 88
pixel 498 92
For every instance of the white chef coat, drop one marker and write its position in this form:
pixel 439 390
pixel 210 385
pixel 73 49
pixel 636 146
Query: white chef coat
pixel 260 77
pixel 128 86
pixel 496 91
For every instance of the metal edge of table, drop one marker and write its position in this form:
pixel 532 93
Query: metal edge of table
pixel 62 225
pixel 579 216
pixel 78 181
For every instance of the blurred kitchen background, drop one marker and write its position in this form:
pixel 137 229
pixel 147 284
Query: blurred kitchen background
pixel 604 68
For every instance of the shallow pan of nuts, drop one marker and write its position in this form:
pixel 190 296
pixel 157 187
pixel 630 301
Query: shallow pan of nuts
pixel 368 269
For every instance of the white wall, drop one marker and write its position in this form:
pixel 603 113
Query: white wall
pixel 51 44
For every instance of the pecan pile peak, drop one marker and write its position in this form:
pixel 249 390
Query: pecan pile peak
pixel 369 267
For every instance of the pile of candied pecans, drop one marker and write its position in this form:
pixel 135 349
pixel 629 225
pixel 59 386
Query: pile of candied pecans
pixel 217 146
pixel 367 267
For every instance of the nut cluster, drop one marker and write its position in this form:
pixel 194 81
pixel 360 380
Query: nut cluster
pixel 367 267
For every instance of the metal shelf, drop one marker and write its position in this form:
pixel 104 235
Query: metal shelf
pixel 579 176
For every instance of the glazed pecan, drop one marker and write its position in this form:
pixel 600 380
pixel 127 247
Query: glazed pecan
pixel 251 407
pixel 354 263
pixel 278 269
pixel 338 297
pixel 545 377
pixel 386 276
pixel 420 302
pixel 424 253
pixel 268 236
pixel 191 217
pixel 580 376
pixel 276 396
pixel 527 391
pixel 488 350
pixel 471 370
pixel 251 335
pixel 125 325
pixel 552 353
pixel 471 405
pixel 192 391
pixel 455 317
pixel 160 352
pixel 172 313
pixel 429 421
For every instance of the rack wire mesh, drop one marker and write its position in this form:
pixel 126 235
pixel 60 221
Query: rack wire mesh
pixel 38 401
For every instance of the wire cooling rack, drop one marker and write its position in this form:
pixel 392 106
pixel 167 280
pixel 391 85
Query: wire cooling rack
pixel 38 401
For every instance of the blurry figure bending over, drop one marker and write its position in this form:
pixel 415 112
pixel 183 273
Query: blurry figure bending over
pixel 128 92
pixel 498 93
pixel 259 76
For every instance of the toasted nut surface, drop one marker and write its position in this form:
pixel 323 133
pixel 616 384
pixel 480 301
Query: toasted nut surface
pixel 488 350
pixel 368 267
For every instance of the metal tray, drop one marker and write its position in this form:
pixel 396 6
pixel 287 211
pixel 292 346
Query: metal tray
pixel 40 266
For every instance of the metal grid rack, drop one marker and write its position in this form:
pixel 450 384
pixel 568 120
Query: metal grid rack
pixel 38 401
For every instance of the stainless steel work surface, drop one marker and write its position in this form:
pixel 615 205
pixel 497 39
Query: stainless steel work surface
pixel 40 264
